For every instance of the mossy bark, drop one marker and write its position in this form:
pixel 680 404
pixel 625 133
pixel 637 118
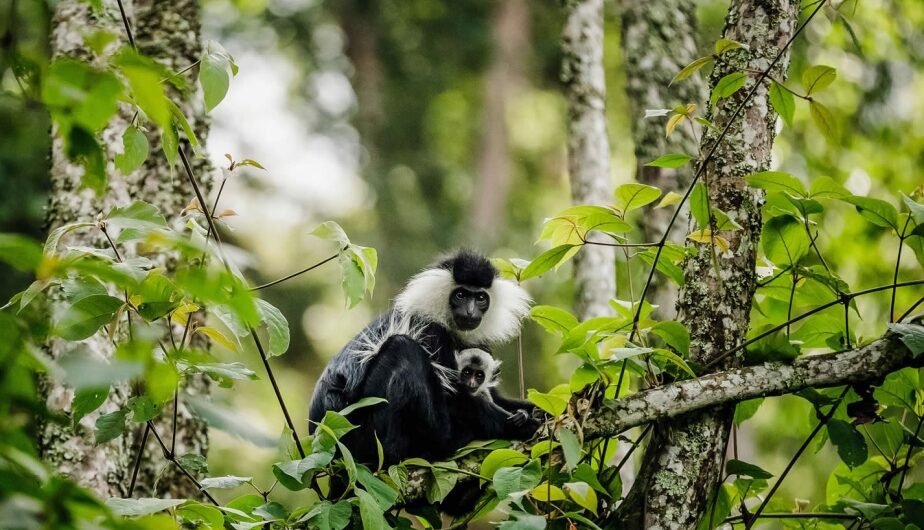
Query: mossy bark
pixel 658 40
pixel 682 463
pixel 169 32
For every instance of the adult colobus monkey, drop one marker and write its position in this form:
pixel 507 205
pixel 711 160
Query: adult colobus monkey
pixel 408 357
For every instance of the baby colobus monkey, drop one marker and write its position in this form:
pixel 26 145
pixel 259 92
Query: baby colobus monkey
pixel 408 357
pixel 479 376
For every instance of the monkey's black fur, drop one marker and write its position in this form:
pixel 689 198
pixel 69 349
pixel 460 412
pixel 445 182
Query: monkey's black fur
pixel 407 357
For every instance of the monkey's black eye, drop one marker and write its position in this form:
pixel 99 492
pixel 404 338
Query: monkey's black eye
pixel 467 372
pixel 481 297
pixel 479 376
pixel 459 295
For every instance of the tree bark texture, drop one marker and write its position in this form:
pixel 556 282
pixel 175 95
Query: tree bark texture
pixel 588 147
pixel 504 81
pixel 169 32
pixel 658 40
pixel 682 463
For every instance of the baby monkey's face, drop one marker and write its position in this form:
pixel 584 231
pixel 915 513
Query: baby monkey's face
pixel 471 379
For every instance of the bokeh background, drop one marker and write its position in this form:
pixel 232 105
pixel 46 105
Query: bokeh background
pixel 404 122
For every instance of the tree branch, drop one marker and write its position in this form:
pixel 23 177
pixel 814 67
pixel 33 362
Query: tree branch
pixel 870 363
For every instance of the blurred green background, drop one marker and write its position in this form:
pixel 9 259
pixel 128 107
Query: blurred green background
pixel 385 117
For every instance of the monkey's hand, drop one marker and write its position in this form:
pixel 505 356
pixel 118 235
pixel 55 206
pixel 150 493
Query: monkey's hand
pixel 518 418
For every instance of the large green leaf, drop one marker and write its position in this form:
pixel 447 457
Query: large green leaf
pixel 84 318
pixel 633 195
pixel 851 445
pixel 276 326
pixel 784 240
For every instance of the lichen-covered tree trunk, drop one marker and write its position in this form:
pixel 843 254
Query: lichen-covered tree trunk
pixel 168 31
pixel 682 463
pixel 658 40
pixel 588 147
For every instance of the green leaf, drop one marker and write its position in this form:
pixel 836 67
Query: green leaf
pixel 555 320
pixel 138 507
pixel 443 482
pixel 824 120
pixel 331 231
pixel 825 187
pixel 671 160
pixel 84 318
pixel 327 516
pixel 744 410
pixel 370 513
pixel 817 78
pixel 110 426
pixel 699 205
pixel 201 516
pixel 225 482
pixel 214 78
pixel 583 375
pixel 727 86
pixel 777 181
pixel 674 359
pixel 499 458
pixel 86 401
pixel 523 521
pixel 545 261
pixel 632 196
pixel 674 334
pixel 385 495
pixel 19 251
pixel 82 148
pixel 571 447
pixel 135 149
pixel 744 469
pixel 876 211
pixel 851 445
pixel 144 76
pixel 351 280
pixel 291 474
pixel 546 492
pixel 171 144
pixel 784 240
pixel 727 45
pixel 510 480
pixel 554 402
pixel 143 409
pixel 783 102
pixel 362 403
pixel 583 495
pixel 691 69
pixel 79 95
pixel 910 334
pixel 276 325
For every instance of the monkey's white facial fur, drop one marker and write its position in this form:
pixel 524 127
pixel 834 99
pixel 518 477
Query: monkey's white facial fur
pixel 479 371
pixel 427 295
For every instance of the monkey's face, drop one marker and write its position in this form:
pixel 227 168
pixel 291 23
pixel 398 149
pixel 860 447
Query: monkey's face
pixel 471 379
pixel 468 307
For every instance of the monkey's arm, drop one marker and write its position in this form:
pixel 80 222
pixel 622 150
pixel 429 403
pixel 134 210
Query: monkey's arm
pixel 511 404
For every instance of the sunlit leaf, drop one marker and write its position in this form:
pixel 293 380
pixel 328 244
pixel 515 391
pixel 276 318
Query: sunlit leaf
pixel 817 78
pixel 727 86
pixel 691 69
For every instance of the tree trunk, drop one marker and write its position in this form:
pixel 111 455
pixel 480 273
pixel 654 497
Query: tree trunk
pixel 505 79
pixel 167 31
pixel 588 148
pixel 682 463
pixel 658 40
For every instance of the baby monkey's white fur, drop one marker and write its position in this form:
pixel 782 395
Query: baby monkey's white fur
pixel 478 359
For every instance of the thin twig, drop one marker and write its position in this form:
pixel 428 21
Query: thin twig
pixel 253 332
pixel 910 309
pixel 807 314
pixel 792 462
pixel 137 465
pixel 169 455
pixel 901 480
pixel 128 28
pixel 294 274
pixel 898 262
